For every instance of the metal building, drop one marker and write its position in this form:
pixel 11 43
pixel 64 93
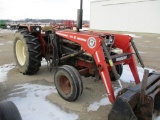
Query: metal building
pixel 126 15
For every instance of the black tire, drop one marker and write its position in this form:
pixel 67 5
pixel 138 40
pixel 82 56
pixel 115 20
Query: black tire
pixel 119 69
pixel 27 52
pixel 78 76
pixel 8 111
pixel 68 83
pixel 156 102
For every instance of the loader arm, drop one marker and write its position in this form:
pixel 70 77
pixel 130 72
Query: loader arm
pixel 92 43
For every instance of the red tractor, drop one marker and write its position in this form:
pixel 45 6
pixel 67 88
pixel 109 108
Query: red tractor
pixel 88 53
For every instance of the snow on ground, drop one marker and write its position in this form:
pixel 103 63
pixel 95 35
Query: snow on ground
pixel 43 62
pixel 34 106
pixel 7 31
pixel 1 43
pixel 158 37
pixel 133 35
pixel 4 69
pixel 158 118
pixel 31 101
pixel 31 98
pixel 94 106
pixel 127 75
pixel 103 102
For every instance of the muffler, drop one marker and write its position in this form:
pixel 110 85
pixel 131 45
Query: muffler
pixel 138 102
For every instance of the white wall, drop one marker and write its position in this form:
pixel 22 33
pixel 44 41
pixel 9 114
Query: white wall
pixel 126 15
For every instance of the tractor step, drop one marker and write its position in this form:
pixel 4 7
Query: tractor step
pixel 138 102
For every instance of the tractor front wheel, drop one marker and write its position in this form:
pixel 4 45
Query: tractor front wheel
pixel 27 52
pixel 68 83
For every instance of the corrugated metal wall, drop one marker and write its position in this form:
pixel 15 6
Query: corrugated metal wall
pixel 126 15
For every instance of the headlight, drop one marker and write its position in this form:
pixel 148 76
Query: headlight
pixel 109 39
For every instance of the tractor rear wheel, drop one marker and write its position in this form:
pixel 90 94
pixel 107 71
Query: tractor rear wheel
pixel 27 52
pixel 68 83
pixel 119 69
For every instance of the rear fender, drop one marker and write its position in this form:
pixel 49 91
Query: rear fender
pixel 32 29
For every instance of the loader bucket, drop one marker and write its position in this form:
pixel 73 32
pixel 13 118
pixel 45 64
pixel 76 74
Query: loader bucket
pixel 138 102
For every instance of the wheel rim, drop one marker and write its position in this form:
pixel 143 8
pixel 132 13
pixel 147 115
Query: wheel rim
pixel 64 84
pixel 20 52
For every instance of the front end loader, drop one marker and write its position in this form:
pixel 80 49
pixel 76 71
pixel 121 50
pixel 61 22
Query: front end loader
pixel 138 102
pixel 99 54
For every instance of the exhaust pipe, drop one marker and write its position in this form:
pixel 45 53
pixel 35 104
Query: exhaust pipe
pixel 79 16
